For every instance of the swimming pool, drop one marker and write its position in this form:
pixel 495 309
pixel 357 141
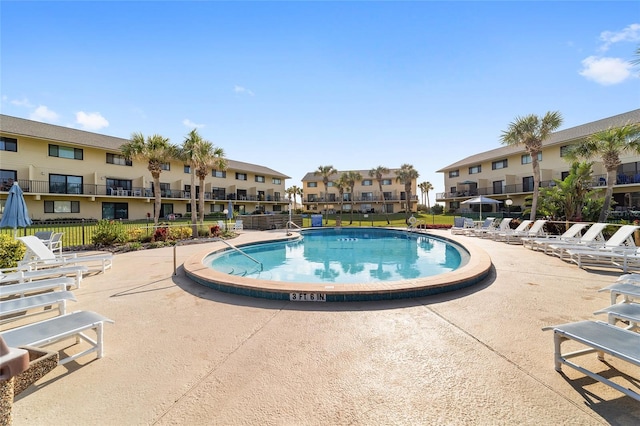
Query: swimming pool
pixel 347 255
pixel 474 266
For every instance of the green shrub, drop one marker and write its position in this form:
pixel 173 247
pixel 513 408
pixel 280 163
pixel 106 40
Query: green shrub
pixel 11 251
pixel 109 232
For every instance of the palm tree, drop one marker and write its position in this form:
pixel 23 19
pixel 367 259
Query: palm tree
pixel 609 144
pixel 188 154
pixel 379 173
pixel 342 184
pixel 406 175
pixel 531 131
pixel 156 150
pixel 293 192
pixel 352 177
pixel 325 172
pixel 208 157
pixel 425 187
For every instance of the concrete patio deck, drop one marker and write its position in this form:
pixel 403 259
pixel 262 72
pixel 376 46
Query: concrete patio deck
pixel 180 353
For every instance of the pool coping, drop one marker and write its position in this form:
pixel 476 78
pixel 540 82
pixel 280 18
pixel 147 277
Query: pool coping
pixel 476 270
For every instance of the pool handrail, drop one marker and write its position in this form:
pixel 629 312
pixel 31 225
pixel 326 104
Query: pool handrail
pixel 241 252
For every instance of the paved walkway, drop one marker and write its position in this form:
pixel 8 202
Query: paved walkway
pixel 180 353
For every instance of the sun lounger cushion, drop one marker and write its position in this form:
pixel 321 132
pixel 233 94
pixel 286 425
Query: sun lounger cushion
pixel 50 331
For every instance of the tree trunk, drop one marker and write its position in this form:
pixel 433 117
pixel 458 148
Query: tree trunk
pixel 536 185
pixel 611 180
pixel 201 201
pixel 157 199
pixel 194 210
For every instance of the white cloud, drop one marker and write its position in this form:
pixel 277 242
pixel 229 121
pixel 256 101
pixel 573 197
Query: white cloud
pixel 605 71
pixel 243 90
pixel 42 113
pixel 24 102
pixel 91 121
pixel 190 124
pixel 630 33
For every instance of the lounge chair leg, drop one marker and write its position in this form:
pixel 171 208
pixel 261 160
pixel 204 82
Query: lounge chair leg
pixel 99 340
pixel 557 355
pixel 600 355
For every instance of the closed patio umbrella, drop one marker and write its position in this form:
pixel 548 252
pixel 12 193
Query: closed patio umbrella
pixel 15 210
pixel 481 200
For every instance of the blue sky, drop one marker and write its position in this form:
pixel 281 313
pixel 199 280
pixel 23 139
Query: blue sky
pixel 296 85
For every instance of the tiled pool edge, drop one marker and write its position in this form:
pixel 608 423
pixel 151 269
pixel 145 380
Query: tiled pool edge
pixel 476 270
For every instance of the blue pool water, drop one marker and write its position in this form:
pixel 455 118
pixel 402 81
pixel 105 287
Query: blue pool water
pixel 343 256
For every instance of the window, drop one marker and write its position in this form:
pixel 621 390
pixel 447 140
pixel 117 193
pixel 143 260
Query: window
pixel 118 159
pixel 165 190
pixel 64 184
pixel 187 169
pixel 7 177
pixel 241 176
pixel 527 184
pixel 260 179
pixel 367 196
pixel 498 186
pixel 367 182
pixel 387 182
pixel 277 208
pixel 165 166
pixel 387 195
pixel 166 209
pixel 526 158
pixel 218 173
pixel 564 175
pixel 115 211
pixel 8 144
pixel 118 183
pixel 65 152
pixel 330 184
pixel 454 173
pixel 475 170
pixel 564 150
pixel 276 196
pixel 312 184
pixel 218 193
pixel 496 165
pixel 311 198
pixel 62 206
pixel 276 181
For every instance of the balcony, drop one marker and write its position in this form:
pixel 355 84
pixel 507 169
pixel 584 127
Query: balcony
pixel 597 181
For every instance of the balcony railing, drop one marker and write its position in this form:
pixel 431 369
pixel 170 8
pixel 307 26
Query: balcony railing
pixel 597 181
pixel 57 188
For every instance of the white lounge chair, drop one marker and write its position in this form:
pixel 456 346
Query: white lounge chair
pixel 9 308
pixel 509 233
pixel 544 241
pixel 488 224
pixel 628 311
pixel 11 275
pixel 462 225
pixel 618 251
pixel 75 324
pixel 599 337
pixel 592 237
pixel 38 255
pixel 628 290
pixel 503 226
pixel 21 289
pixel 238 226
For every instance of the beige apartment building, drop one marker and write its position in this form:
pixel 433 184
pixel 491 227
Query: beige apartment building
pixel 506 173
pixel 73 174
pixel 366 196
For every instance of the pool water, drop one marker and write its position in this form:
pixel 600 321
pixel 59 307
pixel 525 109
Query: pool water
pixel 343 256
